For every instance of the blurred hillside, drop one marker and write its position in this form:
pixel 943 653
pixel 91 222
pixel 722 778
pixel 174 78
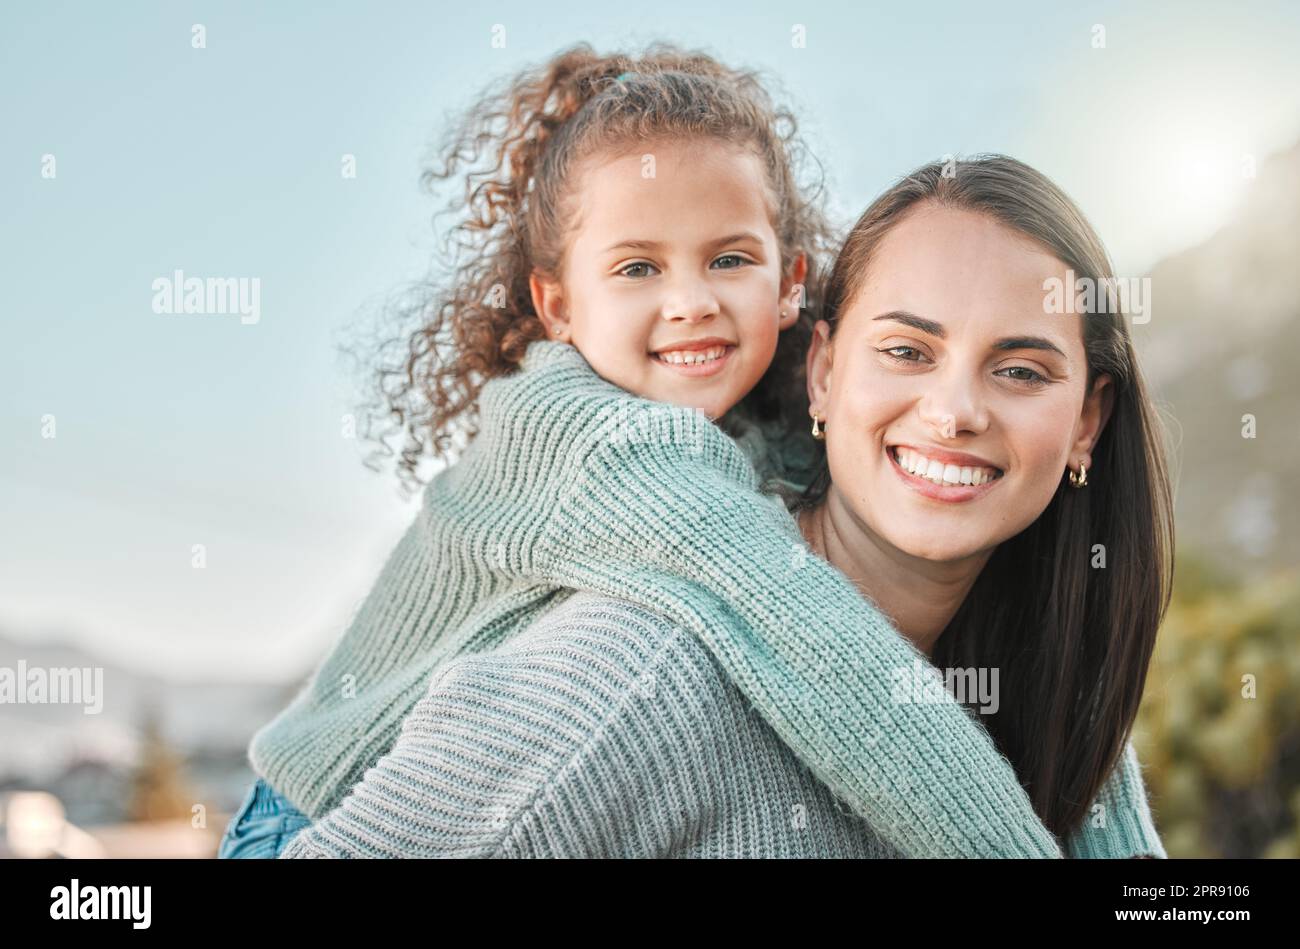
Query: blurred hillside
pixel 1219 727
pixel 154 741
pixel 1223 342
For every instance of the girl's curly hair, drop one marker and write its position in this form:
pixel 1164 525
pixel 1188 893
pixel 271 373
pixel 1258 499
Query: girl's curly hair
pixel 520 147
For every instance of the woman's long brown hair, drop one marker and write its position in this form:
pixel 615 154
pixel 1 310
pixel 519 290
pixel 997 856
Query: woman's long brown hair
pixel 1072 641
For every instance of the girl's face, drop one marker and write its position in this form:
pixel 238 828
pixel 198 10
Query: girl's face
pixel 672 285
pixel 947 355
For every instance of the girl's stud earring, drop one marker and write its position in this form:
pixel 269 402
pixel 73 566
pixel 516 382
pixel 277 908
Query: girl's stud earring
pixel 818 428
pixel 1079 480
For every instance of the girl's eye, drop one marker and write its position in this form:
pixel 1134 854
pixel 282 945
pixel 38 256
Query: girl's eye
pixel 736 257
pixel 1033 380
pixel 639 263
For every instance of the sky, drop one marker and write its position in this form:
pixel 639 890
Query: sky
pixel 172 431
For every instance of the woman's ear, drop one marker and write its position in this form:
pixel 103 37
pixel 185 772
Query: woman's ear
pixel 1097 406
pixel 819 368
pixel 548 304
pixel 792 291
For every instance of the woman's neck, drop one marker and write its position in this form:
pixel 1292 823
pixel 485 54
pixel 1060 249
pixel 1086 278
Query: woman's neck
pixel 920 596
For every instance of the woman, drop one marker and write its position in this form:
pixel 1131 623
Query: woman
pixel 940 353
pixel 606 729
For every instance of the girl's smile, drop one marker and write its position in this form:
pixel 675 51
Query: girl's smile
pixel 706 356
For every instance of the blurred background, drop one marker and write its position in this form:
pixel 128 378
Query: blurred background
pixel 129 439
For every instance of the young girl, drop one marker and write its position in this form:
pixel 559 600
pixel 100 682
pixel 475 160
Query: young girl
pixel 644 214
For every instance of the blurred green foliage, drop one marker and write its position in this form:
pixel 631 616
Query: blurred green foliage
pixel 1222 767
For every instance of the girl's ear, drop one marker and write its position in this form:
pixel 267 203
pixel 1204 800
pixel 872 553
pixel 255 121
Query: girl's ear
pixel 792 291
pixel 548 304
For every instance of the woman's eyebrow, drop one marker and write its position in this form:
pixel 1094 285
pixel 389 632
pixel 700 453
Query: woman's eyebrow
pixel 914 321
pixel 937 330
pixel 1029 342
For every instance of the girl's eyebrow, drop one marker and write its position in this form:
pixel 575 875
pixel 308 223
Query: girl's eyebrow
pixel 937 330
pixel 637 244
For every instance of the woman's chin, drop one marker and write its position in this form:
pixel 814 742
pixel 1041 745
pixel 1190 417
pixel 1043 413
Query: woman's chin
pixel 938 545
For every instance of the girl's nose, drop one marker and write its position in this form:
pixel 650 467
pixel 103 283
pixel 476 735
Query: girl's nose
pixel 690 304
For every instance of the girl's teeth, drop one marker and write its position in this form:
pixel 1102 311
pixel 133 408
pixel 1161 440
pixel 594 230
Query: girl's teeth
pixel 940 473
pixel 692 357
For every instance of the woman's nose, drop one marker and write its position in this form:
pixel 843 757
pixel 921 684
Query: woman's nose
pixel 953 404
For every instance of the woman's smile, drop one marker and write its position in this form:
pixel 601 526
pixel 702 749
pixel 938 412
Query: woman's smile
pixel 959 482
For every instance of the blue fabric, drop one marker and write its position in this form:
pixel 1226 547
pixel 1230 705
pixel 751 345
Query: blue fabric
pixel 263 825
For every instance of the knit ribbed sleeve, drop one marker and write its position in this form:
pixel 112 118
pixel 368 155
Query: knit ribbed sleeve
pixel 601 731
pixel 1119 822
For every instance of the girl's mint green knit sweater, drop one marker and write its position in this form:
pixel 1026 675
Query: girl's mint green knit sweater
pixel 604 731
pixel 573 484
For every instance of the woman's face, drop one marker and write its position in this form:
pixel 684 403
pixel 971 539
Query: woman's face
pixel 947 355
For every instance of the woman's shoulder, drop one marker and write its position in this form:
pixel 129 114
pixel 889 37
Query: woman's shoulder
pixel 595 656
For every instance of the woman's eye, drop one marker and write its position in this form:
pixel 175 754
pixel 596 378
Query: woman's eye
pixel 1032 379
pixel 642 264
pixel 894 353
pixel 734 257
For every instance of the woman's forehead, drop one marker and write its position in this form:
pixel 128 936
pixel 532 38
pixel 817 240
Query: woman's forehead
pixel 966 271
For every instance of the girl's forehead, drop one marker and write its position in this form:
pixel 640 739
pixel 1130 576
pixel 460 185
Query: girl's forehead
pixel 672 191
pixel 661 164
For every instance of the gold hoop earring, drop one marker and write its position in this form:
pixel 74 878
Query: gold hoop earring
pixel 1081 479
pixel 818 429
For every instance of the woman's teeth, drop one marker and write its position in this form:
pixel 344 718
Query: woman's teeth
pixel 940 473
pixel 691 357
